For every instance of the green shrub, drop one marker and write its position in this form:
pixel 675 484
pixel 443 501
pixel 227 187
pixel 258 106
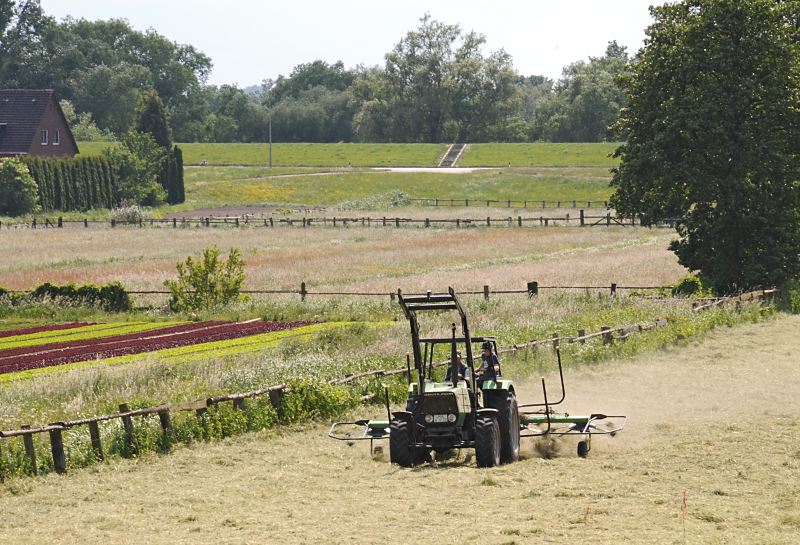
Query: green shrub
pixel 19 193
pixel 789 299
pixel 207 283
pixel 690 285
pixel 307 400
pixel 111 297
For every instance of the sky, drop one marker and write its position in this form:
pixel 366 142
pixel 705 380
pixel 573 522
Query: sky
pixel 251 40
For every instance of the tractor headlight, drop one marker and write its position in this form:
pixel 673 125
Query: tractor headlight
pixel 451 418
pixel 428 418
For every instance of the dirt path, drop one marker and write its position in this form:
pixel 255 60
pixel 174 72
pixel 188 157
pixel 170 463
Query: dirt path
pixel 714 423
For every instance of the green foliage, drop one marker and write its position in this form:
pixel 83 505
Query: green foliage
pixel 585 102
pixel 690 285
pixel 789 299
pixel 713 138
pixel 150 118
pixel 18 189
pixel 139 161
pixel 436 87
pixel 111 297
pixel 82 126
pixel 308 400
pixel 207 283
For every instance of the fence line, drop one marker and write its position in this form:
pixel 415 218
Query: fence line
pixel 582 219
pixel 531 290
pixel 510 203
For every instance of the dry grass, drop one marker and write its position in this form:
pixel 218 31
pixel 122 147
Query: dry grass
pixel 347 258
pixel 713 420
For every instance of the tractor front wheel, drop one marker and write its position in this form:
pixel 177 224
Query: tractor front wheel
pixel 487 441
pixel 400 450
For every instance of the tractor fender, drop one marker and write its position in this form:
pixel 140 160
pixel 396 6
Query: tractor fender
pixel 403 415
pixel 488 412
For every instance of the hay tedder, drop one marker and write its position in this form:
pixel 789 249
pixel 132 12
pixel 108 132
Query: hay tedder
pixel 466 410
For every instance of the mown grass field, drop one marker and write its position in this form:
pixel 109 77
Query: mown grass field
pixel 208 187
pixel 308 155
pixel 689 436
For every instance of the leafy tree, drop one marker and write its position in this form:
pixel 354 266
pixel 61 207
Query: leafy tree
pixel 82 126
pixel 712 134
pixel 19 193
pixel 585 102
pixel 139 160
pixel 152 119
pixel 436 86
pixel 207 283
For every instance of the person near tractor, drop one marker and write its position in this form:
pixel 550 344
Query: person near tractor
pixel 463 370
pixel 490 364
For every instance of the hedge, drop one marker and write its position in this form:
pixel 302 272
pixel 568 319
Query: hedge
pixel 111 297
pixel 77 183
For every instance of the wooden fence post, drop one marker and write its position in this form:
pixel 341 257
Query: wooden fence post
pixel 581 333
pixel 608 219
pixel 239 404
pixel 97 445
pixel 486 292
pixel 554 336
pixel 60 222
pixel 466 203
pixel 127 424
pixel 427 222
pixel 613 289
pixel 271 222
pixel 488 221
pixel 303 292
pixel 519 221
pixel 30 450
pixel 276 398
pixel 57 448
pixel 397 222
pixel 533 289
pixel 608 335
pixel 583 222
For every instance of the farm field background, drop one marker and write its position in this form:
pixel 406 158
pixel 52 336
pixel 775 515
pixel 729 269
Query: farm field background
pixel 689 436
pixel 416 155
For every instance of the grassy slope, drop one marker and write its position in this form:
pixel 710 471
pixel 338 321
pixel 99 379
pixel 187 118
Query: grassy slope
pixel 539 154
pixel 289 155
pixel 689 434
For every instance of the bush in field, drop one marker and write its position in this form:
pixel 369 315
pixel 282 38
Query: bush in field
pixel 19 193
pixel 690 285
pixel 130 213
pixel 208 282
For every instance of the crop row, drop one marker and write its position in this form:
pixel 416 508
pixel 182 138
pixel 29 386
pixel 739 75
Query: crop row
pixel 135 343
pixel 42 328
pixel 83 333
pixel 203 350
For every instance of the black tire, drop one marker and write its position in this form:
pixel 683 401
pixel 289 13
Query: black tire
pixel 508 418
pixel 583 449
pixel 400 451
pixel 487 441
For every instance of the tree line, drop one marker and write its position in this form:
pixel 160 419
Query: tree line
pixel 437 85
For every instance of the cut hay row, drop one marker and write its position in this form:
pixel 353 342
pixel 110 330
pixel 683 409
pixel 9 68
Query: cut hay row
pixel 171 337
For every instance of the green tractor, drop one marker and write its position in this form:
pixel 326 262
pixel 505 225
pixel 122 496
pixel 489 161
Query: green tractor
pixel 462 411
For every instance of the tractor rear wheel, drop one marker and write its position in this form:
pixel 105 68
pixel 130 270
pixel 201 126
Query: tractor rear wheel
pixel 508 419
pixel 487 441
pixel 400 451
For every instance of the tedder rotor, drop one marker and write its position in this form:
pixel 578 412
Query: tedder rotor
pixel 465 410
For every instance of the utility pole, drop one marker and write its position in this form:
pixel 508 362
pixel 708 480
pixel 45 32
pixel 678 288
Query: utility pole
pixel 270 141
